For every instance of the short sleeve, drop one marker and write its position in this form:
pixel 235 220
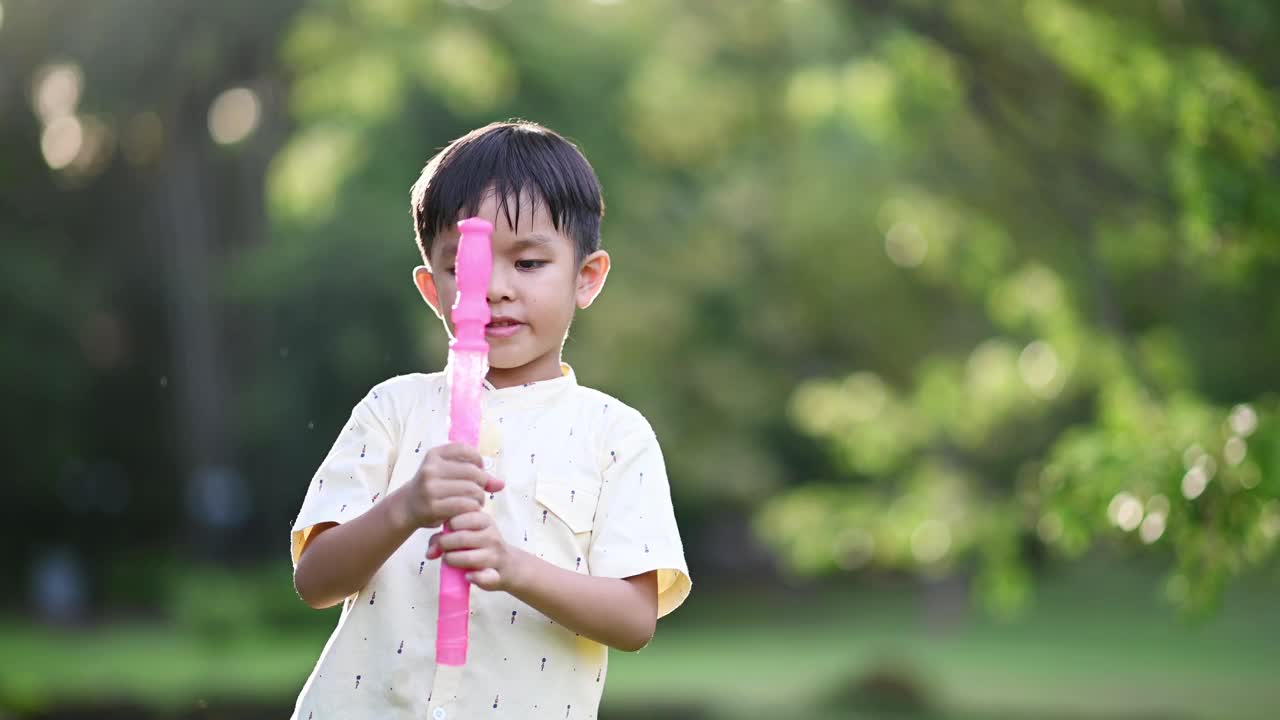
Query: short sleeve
pixel 354 474
pixel 635 526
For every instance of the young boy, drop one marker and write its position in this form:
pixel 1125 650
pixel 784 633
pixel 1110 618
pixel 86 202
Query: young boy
pixel 563 515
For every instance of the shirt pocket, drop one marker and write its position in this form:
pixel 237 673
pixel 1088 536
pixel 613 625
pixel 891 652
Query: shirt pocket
pixel 569 497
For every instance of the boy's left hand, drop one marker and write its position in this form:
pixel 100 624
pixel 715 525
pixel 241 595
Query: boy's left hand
pixel 475 545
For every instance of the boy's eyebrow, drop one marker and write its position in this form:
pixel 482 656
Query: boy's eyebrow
pixel 447 249
pixel 534 240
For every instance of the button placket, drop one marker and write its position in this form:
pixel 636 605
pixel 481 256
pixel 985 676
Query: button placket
pixel 444 691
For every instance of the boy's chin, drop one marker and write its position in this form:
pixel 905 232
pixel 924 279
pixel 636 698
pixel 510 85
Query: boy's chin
pixel 504 361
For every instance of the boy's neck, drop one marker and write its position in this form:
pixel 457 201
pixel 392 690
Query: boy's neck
pixel 501 378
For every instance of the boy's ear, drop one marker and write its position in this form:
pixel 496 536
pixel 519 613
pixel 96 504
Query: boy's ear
pixel 591 276
pixel 426 284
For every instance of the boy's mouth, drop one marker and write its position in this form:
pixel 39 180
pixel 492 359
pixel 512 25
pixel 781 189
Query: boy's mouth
pixel 502 327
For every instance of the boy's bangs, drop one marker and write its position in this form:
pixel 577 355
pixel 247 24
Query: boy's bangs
pixel 527 167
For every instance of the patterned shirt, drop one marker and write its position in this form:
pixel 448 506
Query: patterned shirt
pixel 586 490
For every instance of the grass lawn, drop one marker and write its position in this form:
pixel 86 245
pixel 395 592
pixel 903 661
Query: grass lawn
pixel 1094 646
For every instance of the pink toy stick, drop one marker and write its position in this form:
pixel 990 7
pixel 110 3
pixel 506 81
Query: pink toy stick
pixel 468 364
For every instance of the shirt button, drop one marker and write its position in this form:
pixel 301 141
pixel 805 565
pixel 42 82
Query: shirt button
pixel 439 713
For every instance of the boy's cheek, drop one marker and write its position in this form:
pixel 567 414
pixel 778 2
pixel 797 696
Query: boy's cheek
pixel 446 309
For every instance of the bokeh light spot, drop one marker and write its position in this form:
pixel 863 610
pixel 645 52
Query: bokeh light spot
pixel 61 141
pixel 234 115
pixel 1243 420
pixel 56 91
pixel 930 542
pixel 1234 451
pixel 1194 482
pixel 1038 365
pixel 1152 528
pixel 1125 511
pixel 905 245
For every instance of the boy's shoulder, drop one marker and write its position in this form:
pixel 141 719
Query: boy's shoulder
pixel 410 382
pixel 616 417
pixel 403 390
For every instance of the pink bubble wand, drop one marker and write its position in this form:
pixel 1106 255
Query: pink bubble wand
pixel 468 364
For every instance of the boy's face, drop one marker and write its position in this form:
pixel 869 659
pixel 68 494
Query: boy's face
pixel 534 288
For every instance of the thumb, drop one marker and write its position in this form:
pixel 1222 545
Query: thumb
pixel 486 579
pixel 433 547
pixel 495 484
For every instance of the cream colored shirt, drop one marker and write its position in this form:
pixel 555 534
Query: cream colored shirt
pixel 586 490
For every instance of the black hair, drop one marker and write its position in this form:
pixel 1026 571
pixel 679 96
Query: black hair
pixel 518 160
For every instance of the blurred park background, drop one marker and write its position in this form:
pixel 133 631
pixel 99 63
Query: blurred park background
pixel 958 322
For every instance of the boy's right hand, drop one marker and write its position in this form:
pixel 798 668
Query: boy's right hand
pixel 451 481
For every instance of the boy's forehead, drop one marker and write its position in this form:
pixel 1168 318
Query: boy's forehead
pixel 532 226
pixel 516 214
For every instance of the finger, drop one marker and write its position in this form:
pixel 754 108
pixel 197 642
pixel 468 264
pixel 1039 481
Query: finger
pixel 462 540
pixel 445 489
pixel 469 559
pixel 494 484
pixel 470 521
pixel 433 547
pixel 460 471
pixel 460 452
pixel 452 507
pixel 486 579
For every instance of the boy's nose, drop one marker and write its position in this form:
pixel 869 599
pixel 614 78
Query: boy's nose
pixel 499 285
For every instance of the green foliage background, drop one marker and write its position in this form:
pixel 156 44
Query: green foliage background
pixel 946 289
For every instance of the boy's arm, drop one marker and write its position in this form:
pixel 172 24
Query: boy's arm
pixel 339 560
pixel 619 613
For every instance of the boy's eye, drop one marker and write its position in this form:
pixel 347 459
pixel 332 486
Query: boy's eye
pixel 530 264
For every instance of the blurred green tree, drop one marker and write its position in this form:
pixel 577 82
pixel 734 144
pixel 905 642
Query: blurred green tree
pixel 1005 263
pixel 921 286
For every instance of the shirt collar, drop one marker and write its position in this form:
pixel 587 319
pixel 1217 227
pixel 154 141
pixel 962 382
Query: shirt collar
pixel 531 393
